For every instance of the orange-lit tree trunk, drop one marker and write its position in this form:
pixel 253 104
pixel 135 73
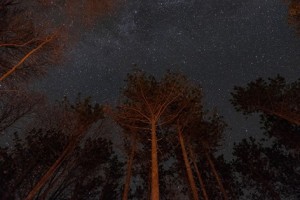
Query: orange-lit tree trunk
pixel 188 166
pixel 55 179
pixel 154 164
pixel 147 106
pixel 14 68
pixel 39 185
pixel 129 167
pixel 203 188
pixel 47 176
pixel 216 175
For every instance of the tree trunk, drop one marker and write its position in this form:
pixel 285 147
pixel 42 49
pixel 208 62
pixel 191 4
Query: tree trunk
pixel 50 171
pixel 216 175
pixel 46 177
pixel 14 68
pixel 203 188
pixel 129 168
pixel 188 167
pixel 55 178
pixel 154 164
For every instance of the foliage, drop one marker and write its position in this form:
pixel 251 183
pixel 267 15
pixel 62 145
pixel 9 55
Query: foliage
pixel 273 97
pixel 271 165
pixel 82 175
pixel 268 172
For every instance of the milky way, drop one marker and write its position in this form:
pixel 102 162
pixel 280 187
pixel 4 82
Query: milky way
pixel 216 43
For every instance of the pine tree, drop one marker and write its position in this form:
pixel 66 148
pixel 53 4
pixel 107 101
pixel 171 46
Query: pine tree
pixel 270 163
pixel 273 97
pixel 145 102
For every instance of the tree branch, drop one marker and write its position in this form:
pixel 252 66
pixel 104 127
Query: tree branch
pixel 14 68
pixel 17 45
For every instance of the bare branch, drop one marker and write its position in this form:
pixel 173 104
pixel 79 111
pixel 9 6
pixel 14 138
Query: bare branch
pixel 145 100
pixel 18 45
pixel 14 68
pixel 136 110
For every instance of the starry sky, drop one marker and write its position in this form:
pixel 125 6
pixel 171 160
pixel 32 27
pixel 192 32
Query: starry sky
pixel 215 43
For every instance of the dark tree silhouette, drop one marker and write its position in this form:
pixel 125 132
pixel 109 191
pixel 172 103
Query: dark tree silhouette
pixel 191 102
pixel 205 136
pixel 268 172
pixel 133 140
pixel 90 170
pixel 271 164
pixel 273 97
pixel 16 106
pixel 85 116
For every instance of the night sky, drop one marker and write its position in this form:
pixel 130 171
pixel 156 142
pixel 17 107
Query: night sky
pixel 216 43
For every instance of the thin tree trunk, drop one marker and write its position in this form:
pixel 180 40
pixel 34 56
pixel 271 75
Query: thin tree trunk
pixel 216 175
pixel 59 190
pixel 47 190
pixel 203 188
pixel 129 168
pixel 54 182
pixel 46 177
pixel 50 172
pixel 188 167
pixel 154 164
